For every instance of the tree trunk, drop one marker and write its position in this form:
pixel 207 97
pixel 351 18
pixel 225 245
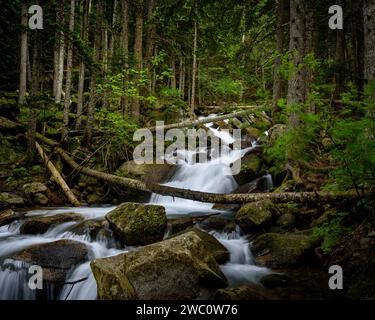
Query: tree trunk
pixel 23 55
pixel 173 77
pixel 181 78
pixel 125 51
pixel 69 66
pixel 60 75
pixel 113 31
pixel 194 70
pixel 369 29
pixel 150 33
pixel 57 176
pixel 193 123
pixel 340 60
pixel 277 78
pixel 358 44
pixel 138 53
pixel 35 73
pixel 82 67
pixel 105 62
pixel 297 197
pixel 296 84
pixel 93 98
pixel 309 48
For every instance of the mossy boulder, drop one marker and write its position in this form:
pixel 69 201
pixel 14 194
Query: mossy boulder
pixel 326 217
pixel 40 198
pixel 250 168
pixel 253 216
pixel 34 187
pixel 276 250
pixel 180 224
pixel 8 216
pixel 90 227
pixel 56 258
pixel 179 268
pixel 218 251
pixel 253 133
pixel 10 200
pixel 39 225
pixel 157 173
pixel 287 220
pixel 138 224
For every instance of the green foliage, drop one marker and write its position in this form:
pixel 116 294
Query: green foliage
pixel 171 101
pixel 331 232
pixel 119 128
pixel 296 144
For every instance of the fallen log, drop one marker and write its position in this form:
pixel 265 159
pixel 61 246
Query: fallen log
pixel 297 197
pixel 192 123
pixel 59 179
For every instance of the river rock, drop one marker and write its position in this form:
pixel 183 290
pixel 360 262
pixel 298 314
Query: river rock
pixel 276 250
pixel 56 258
pixel 275 280
pixel 89 227
pixel 39 225
pixel 10 200
pixel 179 268
pixel 8 216
pixel 252 216
pixel 218 224
pixel 180 224
pixel 40 198
pixel 157 173
pixel 250 168
pixel 245 292
pixel 34 187
pixel 138 224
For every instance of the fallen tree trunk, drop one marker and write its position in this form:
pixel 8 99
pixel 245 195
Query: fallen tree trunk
pixel 59 179
pixel 192 123
pixel 298 197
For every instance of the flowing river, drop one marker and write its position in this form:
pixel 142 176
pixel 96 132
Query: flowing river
pixel 212 176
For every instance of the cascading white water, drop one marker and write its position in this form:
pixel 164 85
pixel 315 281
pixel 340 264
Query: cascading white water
pixel 213 176
pixel 240 269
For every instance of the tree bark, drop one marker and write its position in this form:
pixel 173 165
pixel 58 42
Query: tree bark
pixel 114 30
pixel 297 197
pixel 192 123
pixel 23 55
pixel 194 69
pixel 150 33
pixel 296 84
pixel 125 51
pixel 181 78
pixel 173 77
pixel 93 98
pixel 60 75
pixel 340 60
pixel 277 78
pixel 35 74
pixel 138 53
pixel 69 66
pixel 57 176
pixel 369 29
